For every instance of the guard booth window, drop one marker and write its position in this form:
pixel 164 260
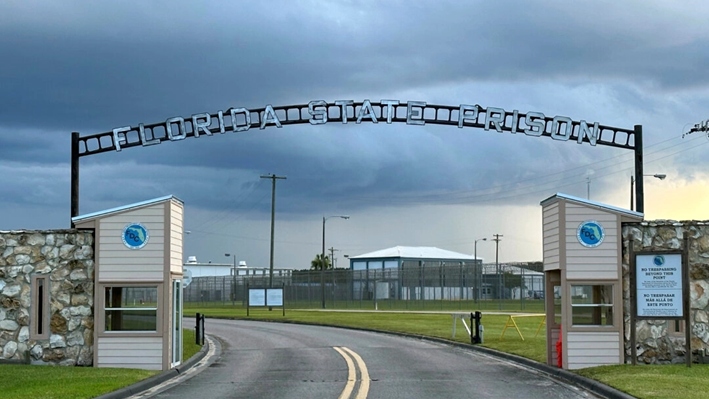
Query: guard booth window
pixel 131 308
pixel 592 305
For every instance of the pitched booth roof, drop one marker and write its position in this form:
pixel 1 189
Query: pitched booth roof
pixel 414 253
pixel 107 212
pixel 600 205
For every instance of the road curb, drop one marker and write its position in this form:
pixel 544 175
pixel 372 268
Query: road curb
pixel 594 386
pixel 157 379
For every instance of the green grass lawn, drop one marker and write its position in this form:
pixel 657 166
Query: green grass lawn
pixel 189 348
pixel 505 305
pixel 26 381
pixel 655 381
pixel 50 382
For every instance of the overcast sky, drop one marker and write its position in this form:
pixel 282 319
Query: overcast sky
pixel 91 67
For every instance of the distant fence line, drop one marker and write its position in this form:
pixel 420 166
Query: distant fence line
pixel 432 286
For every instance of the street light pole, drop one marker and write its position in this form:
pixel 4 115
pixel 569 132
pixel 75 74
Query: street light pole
pixel 475 255
pixel 476 248
pixel 233 280
pixel 497 240
pixel 322 256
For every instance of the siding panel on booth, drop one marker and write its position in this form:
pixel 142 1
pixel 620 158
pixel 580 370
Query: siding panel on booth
pixel 131 260
pixel 119 263
pixel 551 233
pixel 176 236
pixel 113 241
pixel 599 263
pixel 555 333
pixel 551 259
pixel 130 352
pixel 589 349
pixel 152 276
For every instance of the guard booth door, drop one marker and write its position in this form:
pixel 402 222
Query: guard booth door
pixel 176 327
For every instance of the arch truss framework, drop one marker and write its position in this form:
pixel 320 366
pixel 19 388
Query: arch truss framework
pixel 320 112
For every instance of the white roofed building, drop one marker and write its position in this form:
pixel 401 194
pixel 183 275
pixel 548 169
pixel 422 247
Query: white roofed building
pixel 402 252
pixel 412 273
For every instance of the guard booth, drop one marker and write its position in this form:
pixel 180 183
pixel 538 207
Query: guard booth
pixel 138 284
pixel 583 277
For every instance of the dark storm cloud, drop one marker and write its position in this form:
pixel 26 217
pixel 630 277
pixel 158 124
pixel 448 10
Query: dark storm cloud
pixel 91 69
pixel 70 67
pixel 94 66
pixel 33 146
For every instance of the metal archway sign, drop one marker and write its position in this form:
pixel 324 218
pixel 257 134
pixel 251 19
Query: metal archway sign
pixel 320 112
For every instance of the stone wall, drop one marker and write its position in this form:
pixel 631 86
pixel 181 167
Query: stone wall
pixel 657 341
pixel 66 257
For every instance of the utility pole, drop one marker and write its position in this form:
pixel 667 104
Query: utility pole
pixel 322 256
pixel 273 214
pixel 332 256
pixel 497 265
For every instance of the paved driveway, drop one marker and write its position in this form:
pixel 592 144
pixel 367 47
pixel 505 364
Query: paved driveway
pixel 274 360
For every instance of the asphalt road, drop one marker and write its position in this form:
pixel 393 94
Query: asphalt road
pixel 272 360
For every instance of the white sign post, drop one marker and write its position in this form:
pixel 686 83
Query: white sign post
pixel 659 285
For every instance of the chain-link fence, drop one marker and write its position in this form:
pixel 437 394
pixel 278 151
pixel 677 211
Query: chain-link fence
pixel 414 286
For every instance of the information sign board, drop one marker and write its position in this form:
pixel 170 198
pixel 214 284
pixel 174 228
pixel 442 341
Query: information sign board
pixel 265 297
pixel 659 285
pixel 257 297
pixel 274 297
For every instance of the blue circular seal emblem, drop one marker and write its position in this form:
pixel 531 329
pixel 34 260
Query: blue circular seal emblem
pixel 658 260
pixel 135 236
pixel 590 234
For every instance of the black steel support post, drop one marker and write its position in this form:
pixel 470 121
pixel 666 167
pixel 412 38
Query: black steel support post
pixel 196 329
pixel 283 285
pixel 639 189
pixel 686 302
pixel 202 328
pixel 74 175
pixel 199 329
pixel 475 321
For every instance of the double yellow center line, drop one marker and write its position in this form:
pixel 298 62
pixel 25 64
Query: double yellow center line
pixel 353 358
